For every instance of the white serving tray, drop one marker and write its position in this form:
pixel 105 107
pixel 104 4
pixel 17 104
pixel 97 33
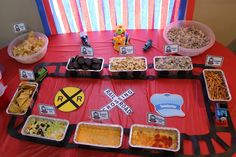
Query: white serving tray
pixel 29 83
pixel 99 124
pixel 154 62
pixel 154 127
pixel 226 84
pixel 81 70
pixel 47 118
pixel 111 59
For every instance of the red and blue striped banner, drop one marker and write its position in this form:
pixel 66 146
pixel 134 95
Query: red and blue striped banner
pixel 66 16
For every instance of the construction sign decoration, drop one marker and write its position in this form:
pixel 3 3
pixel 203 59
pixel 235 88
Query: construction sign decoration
pixel 69 99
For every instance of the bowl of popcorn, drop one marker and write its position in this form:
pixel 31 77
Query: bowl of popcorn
pixel 28 48
pixel 193 37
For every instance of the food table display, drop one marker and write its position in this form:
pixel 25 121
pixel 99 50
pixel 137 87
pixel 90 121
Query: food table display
pixel 198 132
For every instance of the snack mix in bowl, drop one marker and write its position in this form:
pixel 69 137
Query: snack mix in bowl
pixel 193 37
pixel 188 37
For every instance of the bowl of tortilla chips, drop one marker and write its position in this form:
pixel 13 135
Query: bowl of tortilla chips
pixel 28 48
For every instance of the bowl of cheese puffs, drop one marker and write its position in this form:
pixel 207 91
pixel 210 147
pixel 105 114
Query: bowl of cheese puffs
pixel 28 48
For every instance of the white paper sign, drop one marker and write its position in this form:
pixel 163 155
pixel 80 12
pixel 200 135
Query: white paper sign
pixel 86 51
pixel 214 61
pixel 26 74
pixel 155 119
pixel 118 101
pixel 47 110
pixel 19 27
pixel 126 50
pixel 99 115
pixel 171 49
pixel 2 89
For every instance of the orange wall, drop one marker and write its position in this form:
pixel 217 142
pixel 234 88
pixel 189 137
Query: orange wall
pixel 13 11
pixel 220 15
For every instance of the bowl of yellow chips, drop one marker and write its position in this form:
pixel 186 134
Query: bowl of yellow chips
pixel 28 48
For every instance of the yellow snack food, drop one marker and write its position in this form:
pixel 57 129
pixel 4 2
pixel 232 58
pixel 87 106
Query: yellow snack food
pixel 216 85
pixel 98 135
pixel 14 108
pixel 29 46
pixel 22 99
pixel 128 63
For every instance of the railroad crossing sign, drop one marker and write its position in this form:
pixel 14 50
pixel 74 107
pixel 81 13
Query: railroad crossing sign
pixel 69 99
pixel 118 101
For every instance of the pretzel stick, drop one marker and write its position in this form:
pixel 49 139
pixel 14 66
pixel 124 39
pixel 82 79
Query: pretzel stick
pixel 216 85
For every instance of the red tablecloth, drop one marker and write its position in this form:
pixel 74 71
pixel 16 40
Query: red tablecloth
pixel 62 47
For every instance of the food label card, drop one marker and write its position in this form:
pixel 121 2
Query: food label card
pixel 19 27
pixel 2 89
pixel 26 74
pixel 126 50
pixel 214 61
pixel 86 51
pixel 155 119
pixel 171 49
pixel 47 110
pixel 99 115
